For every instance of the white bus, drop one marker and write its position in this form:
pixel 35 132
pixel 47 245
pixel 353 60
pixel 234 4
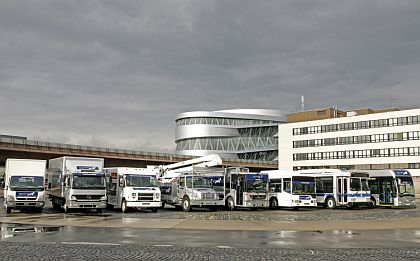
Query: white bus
pixel 290 189
pixel 334 188
pixel 392 188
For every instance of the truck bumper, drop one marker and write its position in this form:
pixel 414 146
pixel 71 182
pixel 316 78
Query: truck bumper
pixel 139 204
pixel 86 204
pixel 25 204
pixel 207 203
pixel 256 204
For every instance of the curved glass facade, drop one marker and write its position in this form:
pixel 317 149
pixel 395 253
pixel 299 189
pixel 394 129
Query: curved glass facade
pixel 234 135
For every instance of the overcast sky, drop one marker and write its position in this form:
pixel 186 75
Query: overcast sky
pixel 116 73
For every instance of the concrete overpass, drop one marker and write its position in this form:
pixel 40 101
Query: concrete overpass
pixel 20 147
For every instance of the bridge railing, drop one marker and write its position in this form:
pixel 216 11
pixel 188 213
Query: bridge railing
pixel 114 151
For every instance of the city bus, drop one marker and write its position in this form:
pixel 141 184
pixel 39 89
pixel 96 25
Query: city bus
pixel 290 189
pixel 392 188
pixel 246 189
pixel 334 188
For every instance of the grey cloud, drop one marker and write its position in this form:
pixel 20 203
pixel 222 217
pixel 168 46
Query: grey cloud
pixel 116 73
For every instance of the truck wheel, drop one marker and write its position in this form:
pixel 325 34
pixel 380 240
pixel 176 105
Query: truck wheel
pixel 230 204
pixel 186 206
pixel 124 207
pixel 66 208
pixel 372 203
pixel 8 210
pixel 273 203
pixel 163 205
pixel 330 203
pixel 154 210
pixel 99 211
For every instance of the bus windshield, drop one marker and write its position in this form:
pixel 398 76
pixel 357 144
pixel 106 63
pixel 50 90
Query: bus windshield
pixel 28 183
pixel 303 185
pixel 140 180
pixel 88 182
pixel 405 186
pixel 198 182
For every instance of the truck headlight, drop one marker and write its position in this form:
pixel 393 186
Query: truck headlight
pixel 10 198
pixel 157 196
pixel 73 198
pixel 103 198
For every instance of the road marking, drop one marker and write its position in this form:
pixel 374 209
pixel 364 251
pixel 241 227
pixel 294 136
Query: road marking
pixel 163 245
pixel 90 243
pixel 224 246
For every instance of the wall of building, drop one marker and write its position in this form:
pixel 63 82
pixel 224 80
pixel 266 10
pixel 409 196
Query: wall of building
pixel 401 151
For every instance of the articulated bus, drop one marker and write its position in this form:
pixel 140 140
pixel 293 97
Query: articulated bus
pixel 334 188
pixel 245 189
pixel 290 189
pixel 392 188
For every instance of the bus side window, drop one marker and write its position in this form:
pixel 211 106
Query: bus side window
pixel 286 186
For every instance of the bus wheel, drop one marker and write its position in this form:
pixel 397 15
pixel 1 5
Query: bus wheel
pixel 230 204
pixel 186 206
pixel 124 207
pixel 330 203
pixel 372 203
pixel 273 203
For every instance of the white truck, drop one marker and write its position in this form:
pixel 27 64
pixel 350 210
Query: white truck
pixel 24 184
pixel 198 187
pixel 77 183
pixel 193 183
pixel 132 188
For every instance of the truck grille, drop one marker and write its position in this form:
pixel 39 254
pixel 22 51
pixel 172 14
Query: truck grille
pixel 88 197
pixel 208 196
pixel 25 199
pixel 145 196
pixel 260 197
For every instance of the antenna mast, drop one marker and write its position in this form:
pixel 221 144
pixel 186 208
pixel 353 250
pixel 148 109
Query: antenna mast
pixel 302 104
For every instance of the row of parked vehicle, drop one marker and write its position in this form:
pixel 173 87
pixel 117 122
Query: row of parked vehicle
pixel 84 183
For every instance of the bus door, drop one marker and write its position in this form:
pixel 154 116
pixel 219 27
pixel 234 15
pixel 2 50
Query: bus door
pixel 386 191
pixel 342 190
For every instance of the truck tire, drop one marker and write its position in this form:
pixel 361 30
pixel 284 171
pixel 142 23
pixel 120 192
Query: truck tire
pixel 230 204
pixel 372 203
pixel 124 207
pixel 163 205
pixel 99 211
pixel 66 208
pixel 155 210
pixel 186 204
pixel 330 203
pixel 273 203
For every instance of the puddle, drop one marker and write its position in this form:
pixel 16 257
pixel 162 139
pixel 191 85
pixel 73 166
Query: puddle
pixel 13 230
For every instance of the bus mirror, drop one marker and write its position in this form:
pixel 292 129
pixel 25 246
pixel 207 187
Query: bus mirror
pixel 399 181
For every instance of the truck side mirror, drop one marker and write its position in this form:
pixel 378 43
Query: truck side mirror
pixel 3 185
pixel 64 184
pixel 122 183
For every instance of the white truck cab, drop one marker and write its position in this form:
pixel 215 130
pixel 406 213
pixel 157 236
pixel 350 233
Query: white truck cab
pixel 24 184
pixel 132 188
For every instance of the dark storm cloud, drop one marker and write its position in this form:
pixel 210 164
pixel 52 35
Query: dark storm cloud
pixel 116 73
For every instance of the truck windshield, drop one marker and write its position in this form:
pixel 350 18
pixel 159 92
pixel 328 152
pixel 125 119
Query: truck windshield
pixel 406 186
pixel 199 182
pixel 88 182
pixel 133 180
pixel 27 183
pixel 303 185
pixel 256 183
